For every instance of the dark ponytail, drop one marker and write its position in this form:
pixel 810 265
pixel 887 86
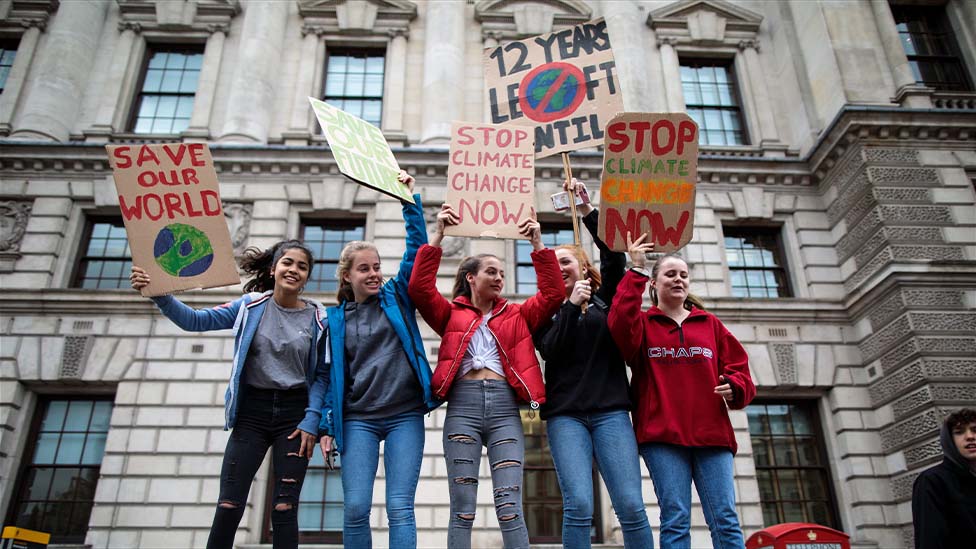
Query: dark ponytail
pixel 259 263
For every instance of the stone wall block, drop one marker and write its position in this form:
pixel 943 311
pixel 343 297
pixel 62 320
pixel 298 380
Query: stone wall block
pixel 923 454
pixel 904 432
pixel 859 209
pixel 951 345
pixel 911 402
pixel 889 194
pixel 899 355
pixel 944 322
pixel 930 253
pixel 873 346
pixel 901 487
pixel 891 156
pixel 888 308
pixel 851 241
pixel 916 214
pixel 915 234
pixel 784 361
pixel 863 273
pixel 918 177
pixel 891 385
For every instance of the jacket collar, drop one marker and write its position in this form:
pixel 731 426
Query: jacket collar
pixel 465 301
pixel 655 312
pixel 259 298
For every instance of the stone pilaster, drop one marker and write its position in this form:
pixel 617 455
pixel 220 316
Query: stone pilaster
pixel 630 56
pixel 299 130
pixel 51 106
pixel 443 63
pixel 110 116
pixel 395 84
pixel 672 73
pixel 908 92
pixel 251 100
pixel 760 94
pixel 207 84
pixel 18 72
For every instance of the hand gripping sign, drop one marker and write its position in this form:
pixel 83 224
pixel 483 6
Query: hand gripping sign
pixel 360 150
pixel 173 217
pixel 490 179
pixel 650 167
pixel 561 84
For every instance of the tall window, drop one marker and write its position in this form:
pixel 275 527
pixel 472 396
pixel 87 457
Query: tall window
pixel 320 507
pixel 326 238
pixel 56 485
pixel 354 82
pixel 107 260
pixel 791 464
pixel 542 500
pixel 712 102
pixel 933 53
pixel 553 234
pixel 169 84
pixel 8 50
pixel 756 266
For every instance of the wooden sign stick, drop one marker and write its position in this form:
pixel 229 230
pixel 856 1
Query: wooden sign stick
pixel 572 209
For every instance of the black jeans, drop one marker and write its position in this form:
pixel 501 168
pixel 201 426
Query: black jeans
pixel 265 418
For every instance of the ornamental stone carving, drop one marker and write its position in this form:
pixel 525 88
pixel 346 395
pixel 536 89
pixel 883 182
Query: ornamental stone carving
pixel 931 253
pixel 914 234
pixel 238 218
pixel 923 453
pixel 944 322
pixel 893 384
pixel 914 176
pixel 905 431
pixel 891 156
pixel 875 344
pixel 885 310
pixel 901 488
pixel 784 359
pixel 942 299
pixel 910 402
pixel 899 355
pixel 903 195
pixel 74 355
pixel 13 224
pixel 851 242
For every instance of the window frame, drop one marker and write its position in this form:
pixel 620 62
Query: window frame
pixel 151 49
pixel 8 44
pixel 27 456
pixel 779 254
pixel 368 51
pixel 927 13
pixel 697 62
pixel 547 227
pixel 817 429
pixel 329 223
pixel 81 259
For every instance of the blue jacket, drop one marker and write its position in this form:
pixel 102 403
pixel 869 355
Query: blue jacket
pixel 399 309
pixel 243 315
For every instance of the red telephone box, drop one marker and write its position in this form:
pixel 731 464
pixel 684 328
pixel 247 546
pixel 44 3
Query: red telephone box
pixel 798 535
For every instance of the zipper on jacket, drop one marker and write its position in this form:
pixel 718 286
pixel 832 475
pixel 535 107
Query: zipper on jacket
pixel 454 362
pixel 532 403
pixel 681 333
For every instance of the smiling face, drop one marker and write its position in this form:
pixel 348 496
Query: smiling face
pixel 570 268
pixel 291 271
pixel 964 435
pixel 489 281
pixel 671 281
pixel 364 276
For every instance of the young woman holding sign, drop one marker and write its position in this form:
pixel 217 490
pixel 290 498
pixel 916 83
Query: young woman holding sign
pixel 588 400
pixel 486 365
pixel 277 384
pixel 688 371
pixel 380 386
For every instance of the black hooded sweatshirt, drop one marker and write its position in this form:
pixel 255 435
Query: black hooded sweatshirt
pixel 944 501
pixel 584 370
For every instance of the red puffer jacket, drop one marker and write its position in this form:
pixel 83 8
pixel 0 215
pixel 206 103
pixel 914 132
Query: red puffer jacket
pixel 512 324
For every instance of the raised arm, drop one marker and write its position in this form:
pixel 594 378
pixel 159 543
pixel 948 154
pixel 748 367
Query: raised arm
pixel 538 309
pixel 423 289
pixel 612 264
pixel 221 317
pixel 413 218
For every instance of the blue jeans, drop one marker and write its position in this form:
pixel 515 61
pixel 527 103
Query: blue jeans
pixel 672 469
pixel 574 440
pixel 402 454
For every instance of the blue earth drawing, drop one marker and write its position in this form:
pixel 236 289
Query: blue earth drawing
pixel 182 250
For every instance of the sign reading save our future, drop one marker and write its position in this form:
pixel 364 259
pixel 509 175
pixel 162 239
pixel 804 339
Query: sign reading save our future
pixel 650 167
pixel 490 179
pixel 173 217
pixel 562 84
pixel 360 150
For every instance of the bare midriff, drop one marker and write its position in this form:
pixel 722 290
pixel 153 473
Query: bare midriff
pixel 483 373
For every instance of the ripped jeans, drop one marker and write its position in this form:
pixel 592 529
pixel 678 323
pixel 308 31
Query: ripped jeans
pixel 484 413
pixel 265 418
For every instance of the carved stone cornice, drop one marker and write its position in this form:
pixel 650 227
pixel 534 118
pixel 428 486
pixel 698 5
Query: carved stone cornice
pixel 488 34
pixel 667 40
pixel 393 33
pixel 516 20
pixel 24 14
pixel 204 16
pixel 376 17
pixel 214 28
pixel 133 26
pixel 748 44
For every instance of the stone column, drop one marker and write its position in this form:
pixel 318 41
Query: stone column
pixel 207 83
pixel 394 86
pixel 490 41
pixel 443 69
pixel 251 99
pixel 672 73
pixel 298 128
pixel 760 93
pixel 625 20
pixel 907 91
pixel 108 118
pixel 61 72
pixel 18 72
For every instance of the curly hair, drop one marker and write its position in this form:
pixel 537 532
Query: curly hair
pixel 259 263
pixel 961 417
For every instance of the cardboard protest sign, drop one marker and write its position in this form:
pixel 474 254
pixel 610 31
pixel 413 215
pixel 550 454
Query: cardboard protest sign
pixel 490 179
pixel 650 167
pixel 360 150
pixel 563 84
pixel 173 218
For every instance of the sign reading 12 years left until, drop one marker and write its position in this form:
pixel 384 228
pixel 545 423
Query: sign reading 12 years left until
pixel 562 83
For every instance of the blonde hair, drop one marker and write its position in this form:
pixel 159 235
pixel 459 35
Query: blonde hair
pixel 692 299
pixel 345 293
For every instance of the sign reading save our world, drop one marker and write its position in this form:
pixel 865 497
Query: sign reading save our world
pixel 360 150
pixel 173 217
pixel 563 84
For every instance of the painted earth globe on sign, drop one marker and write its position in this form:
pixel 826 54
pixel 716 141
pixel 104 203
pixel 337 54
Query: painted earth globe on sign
pixel 182 250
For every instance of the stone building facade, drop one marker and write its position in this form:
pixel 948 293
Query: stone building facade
pixel 835 234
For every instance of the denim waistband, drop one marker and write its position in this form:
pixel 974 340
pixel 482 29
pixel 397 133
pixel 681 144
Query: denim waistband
pixel 257 393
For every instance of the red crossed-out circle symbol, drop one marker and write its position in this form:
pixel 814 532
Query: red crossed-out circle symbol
pixel 551 91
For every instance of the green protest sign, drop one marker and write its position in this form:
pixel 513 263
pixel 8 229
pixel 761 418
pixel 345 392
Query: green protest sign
pixel 360 150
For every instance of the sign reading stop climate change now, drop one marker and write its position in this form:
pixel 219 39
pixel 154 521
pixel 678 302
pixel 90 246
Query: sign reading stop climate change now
pixel 490 179
pixel 650 167
pixel 360 150
pixel 173 218
pixel 562 84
